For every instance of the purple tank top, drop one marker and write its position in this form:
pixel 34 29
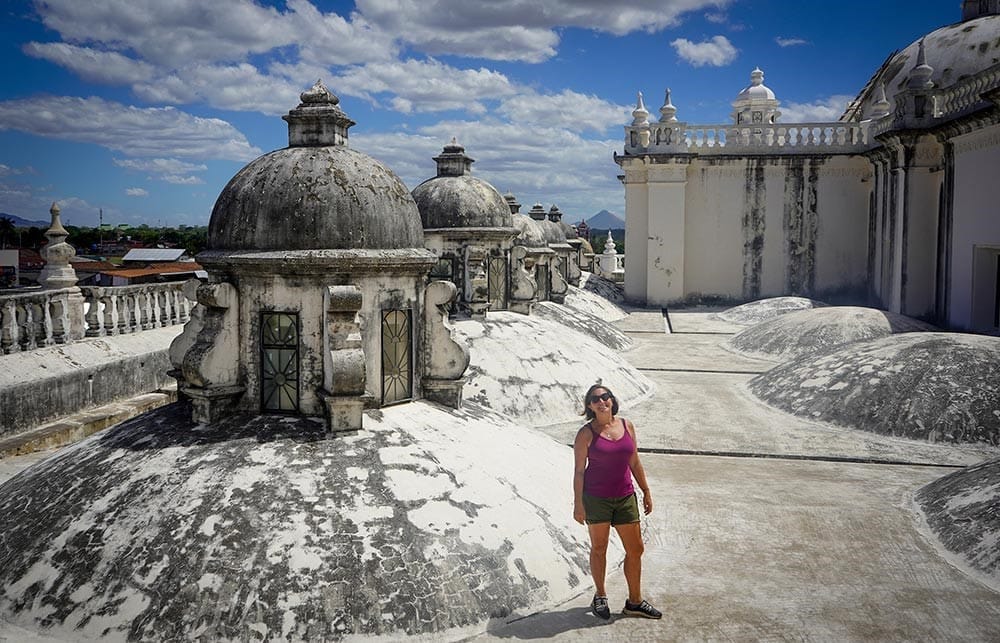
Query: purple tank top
pixel 607 474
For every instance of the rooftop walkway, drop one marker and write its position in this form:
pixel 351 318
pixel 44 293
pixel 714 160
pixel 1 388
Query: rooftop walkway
pixel 767 527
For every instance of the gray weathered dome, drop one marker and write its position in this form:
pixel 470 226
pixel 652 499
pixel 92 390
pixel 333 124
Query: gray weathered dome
pixel 530 234
pixel 461 202
pixel 955 52
pixel 315 194
pixel 456 199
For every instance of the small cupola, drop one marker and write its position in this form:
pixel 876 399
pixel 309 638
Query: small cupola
pixel 452 161
pixel 755 104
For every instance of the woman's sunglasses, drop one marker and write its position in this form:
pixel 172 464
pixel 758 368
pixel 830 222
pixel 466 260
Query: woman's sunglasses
pixel 603 397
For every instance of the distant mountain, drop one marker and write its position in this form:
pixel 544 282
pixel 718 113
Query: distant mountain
pixel 24 223
pixel 605 220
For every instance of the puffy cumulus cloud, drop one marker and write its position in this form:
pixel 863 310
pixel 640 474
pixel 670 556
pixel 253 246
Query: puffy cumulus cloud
pixel 716 52
pixel 567 109
pixel 790 42
pixel 105 67
pixel 136 192
pixel 172 34
pixel 825 110
pixel 170 170
pixel 536 163
pixel 517 29
pixel 158 132
pixel 424 86
pixel 234 87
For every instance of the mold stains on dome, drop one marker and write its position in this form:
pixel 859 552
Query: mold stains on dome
pixel 961 511
pixel 939 387
pixel 819 330
pixel 755 312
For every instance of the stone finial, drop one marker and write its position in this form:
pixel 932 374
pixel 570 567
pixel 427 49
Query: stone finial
pixel 920 75
pixel 609 245
pixel 880 107
pixel 515 207
pixel 668 113
pixel 57 273
pixel 318 120
pixel 453 161
pixel 757 77
pixel 640 115
pixel 555 214
pixel 537 212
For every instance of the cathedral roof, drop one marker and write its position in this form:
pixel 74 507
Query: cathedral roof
pixel 953 53
pixel 317 193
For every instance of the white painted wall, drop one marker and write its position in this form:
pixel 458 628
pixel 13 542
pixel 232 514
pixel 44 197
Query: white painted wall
pixel 976 213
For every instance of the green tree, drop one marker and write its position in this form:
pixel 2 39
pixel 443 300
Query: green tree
pixel 7 230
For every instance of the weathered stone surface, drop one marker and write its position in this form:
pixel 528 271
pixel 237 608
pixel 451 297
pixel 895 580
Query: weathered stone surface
pixel 962 510
pixel 46 383
pixel 461 202
pixel 300 198
pixel 259 529
pixel 940 387
pixel 591 298
pixel 819 329
pixel 583 322
pixel 755 312
pixel 536 371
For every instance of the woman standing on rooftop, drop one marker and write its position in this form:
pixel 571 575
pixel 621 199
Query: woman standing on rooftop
pixel 606 459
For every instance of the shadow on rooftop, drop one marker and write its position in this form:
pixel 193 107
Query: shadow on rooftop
pixel 544 625
pixel 171 426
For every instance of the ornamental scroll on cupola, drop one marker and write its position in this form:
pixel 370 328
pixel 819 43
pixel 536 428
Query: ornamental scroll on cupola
pixel 315 298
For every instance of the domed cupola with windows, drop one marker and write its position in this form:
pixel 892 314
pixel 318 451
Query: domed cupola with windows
pixel 316 302
pixel 468 225
pixel 755 104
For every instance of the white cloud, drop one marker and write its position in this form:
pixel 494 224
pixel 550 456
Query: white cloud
pixel 825 110
pixel 161 132
pixel 716 52
pixel 790 42
pixel 535 162
pixel 424 86
pixel 567 109
pixel 517 29
pixel 169 170
pixel 106 67
pixel 234 87
pixel 136 192
pixel 718 18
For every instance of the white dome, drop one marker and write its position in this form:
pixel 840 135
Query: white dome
pixel 756 91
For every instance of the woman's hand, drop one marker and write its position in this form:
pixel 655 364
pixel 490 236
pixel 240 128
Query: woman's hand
pixel 579 514
pixel 647 502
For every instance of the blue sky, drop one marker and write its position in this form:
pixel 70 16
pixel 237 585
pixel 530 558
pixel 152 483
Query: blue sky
pixel 146 108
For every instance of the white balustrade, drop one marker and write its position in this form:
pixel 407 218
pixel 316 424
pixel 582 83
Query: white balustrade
pixel 43 317
pixel 778 138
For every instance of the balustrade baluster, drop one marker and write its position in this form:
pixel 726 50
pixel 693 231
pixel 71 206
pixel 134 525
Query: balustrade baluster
pixel 9 335
pixel 93 317
pixel 148 319
pixel 60 318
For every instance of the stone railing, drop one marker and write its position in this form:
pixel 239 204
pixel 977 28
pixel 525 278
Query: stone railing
pixel 116 310
pixel 775 138
pixel 966 95
pixel 47 317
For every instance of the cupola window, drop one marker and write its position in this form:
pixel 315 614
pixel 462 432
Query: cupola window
pixel 279 362
pixel 397 351
pixel 497 282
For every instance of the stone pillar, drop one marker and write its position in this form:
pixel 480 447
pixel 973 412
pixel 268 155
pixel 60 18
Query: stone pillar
pixel 343 359
pixel 637 216
pixel 58 274
pixel 210 367
pixel 445 359
pixel 476 285
pixel 665 241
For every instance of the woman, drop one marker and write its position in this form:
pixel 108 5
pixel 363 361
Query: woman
pixel 606 460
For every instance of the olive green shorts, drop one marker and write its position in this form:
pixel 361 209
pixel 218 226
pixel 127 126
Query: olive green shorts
pixel 617 511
